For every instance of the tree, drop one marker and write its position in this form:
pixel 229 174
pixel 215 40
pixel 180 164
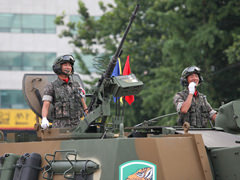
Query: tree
pixel 166 37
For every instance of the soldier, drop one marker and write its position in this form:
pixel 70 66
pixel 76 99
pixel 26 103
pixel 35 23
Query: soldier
pixel 192 105
pixel 65 94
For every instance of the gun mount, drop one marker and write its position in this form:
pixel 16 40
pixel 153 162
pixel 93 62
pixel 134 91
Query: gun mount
pixel 118 86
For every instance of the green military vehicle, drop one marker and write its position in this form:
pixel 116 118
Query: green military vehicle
pixel 94 150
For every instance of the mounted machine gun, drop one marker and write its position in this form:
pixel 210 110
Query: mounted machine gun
pixel 118 86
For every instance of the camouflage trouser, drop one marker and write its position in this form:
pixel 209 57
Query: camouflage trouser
pixel 70 123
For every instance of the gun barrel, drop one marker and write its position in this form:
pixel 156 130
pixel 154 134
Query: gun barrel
pixel 113 62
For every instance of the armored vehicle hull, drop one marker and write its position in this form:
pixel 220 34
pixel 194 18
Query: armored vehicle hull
pixel 149 152
pixel 169 157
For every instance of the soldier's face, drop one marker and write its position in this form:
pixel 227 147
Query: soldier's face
pixel 67 68
pixel 193 78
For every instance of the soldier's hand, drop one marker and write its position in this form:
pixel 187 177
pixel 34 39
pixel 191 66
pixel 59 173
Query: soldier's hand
pixel 191 87
pixel 45 123
pixel 86 111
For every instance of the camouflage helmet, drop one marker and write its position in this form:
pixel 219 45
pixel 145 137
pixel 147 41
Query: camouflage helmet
pixel 188 71
pixel 61 60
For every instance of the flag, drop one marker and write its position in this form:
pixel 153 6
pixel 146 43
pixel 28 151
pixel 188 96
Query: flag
pixel 117 71
pixel 127 71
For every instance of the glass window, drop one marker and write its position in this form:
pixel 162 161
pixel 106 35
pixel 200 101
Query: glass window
pixel 75 18
pixel 50 26
pixel 32 23
pixel 8 60
pixel 88 60
pixel 16 23
pixel 27 23
pixel 12 99
pixel 33 61
pixel 5 20
pixel 49 59
pixel 36 61
pixel 96 18
pixel 30 61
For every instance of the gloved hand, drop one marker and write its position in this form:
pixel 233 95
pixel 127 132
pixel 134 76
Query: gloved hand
pixel 191 87
pixel 82 92
pixel 45 123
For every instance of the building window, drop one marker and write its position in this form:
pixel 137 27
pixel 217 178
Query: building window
pixel 27 23
pixel 89 62
pixel 26 61
pixel 12 99
pixel 76 19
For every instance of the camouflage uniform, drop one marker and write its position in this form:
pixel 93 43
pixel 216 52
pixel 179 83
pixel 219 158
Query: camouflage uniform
pixel 199 112
pixel 66 100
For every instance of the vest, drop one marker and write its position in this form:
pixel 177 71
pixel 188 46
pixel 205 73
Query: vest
pixel 66 100
pixel 197 114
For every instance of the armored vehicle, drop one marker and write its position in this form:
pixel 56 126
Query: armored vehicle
pixel 93 150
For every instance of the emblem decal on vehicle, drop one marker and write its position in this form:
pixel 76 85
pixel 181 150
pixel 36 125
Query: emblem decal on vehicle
pixel 137 170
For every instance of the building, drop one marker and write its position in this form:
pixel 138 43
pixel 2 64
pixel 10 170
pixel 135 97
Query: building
pixel 30 42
